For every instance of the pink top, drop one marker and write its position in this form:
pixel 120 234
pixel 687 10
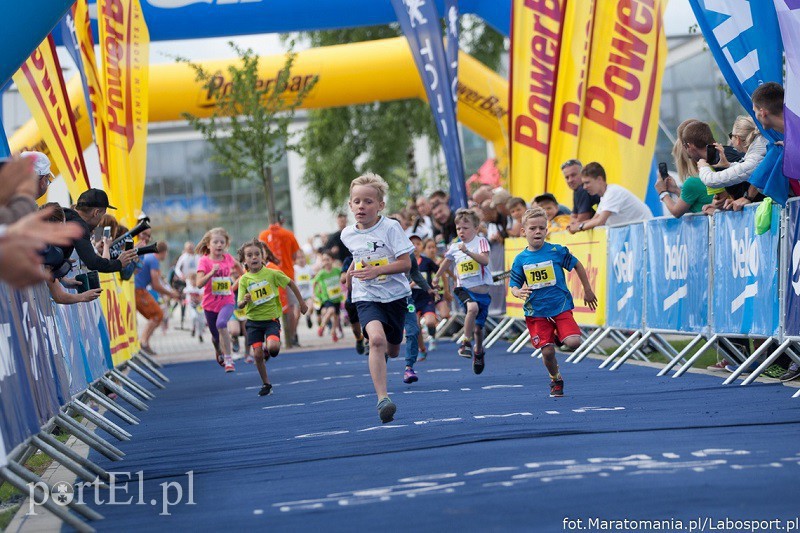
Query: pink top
pixel 217 292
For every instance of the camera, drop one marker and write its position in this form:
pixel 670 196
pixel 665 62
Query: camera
pixel 89 280
pixel 712 156
pixel 151 248
pixel 120 243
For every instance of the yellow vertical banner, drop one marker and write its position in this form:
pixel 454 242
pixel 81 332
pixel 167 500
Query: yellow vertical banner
pixel 536 27
pixel 119 307
pixel 125 48
pixel 589 247
pixel 83 32
pixel 623 91
pixel 41 85
pixel 573 68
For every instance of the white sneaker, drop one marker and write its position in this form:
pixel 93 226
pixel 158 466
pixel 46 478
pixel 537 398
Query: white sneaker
pixel 431 344
pixel 229 364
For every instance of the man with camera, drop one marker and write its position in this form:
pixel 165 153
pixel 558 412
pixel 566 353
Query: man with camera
pixel 88 212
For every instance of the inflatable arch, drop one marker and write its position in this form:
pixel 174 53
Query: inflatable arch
pixel 348 74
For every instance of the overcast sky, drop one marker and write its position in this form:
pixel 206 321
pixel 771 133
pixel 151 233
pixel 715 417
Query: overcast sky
pixel 678 17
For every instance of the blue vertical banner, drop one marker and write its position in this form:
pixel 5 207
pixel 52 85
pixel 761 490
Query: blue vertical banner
pixel 451 51
pixel 677 273
pixel 744 38
pixel 625 289
pixel 420 23
pixel 745 295
pixel 792 289
pixel 5 151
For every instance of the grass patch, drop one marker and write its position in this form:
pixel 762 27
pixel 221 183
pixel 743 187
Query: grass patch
pixel 10 497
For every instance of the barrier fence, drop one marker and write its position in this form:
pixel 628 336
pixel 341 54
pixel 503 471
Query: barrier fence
pixel 53 359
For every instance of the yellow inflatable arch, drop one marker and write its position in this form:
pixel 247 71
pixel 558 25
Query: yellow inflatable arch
pixel 348 74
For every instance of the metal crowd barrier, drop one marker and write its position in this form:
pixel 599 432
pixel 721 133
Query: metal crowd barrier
pixel 55 360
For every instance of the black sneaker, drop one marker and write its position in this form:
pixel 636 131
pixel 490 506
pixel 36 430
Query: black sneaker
pixel 792 373
pixel 465 350
pixel 386 410
pixel 360 346
pixel 556 388
pixel 266 390
pixel 308 322
pixel 477 362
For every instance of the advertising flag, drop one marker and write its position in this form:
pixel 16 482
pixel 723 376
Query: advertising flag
pixel 536 37
pixel 420 23
pixel 789 19
pixel 451 51
pixel 41 85
pixel 125 49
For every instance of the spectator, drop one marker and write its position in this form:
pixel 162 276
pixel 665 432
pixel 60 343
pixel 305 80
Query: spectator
pixel 334 243
pixel 88 212
pixel 582 202
pixel 424 224
pixel 444 223
pixel 41 166
pixel 283 244
pixel 555 221
pixel 516 207
pixel 19 188
pixel 496 231
pixel 481 194
pixel 617 204
pixel 693 195
pixel 150 275
pixel 745 137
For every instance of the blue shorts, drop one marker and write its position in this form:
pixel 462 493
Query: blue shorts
pixel 483 300
pixel 423 302
pixel 391 314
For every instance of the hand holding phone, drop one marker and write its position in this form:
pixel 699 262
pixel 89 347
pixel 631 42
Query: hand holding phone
pixel 662 171
pixel 107 232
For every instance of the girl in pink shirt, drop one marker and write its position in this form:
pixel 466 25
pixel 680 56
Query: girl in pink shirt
pixel 215 275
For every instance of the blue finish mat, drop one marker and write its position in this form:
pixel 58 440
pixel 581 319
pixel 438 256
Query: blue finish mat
pixel 488 452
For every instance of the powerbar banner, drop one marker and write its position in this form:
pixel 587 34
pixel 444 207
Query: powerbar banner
pixel 590 249
pixel 536 37
pixel 512 248
pixel 677 273
pixel 745 296
pixel 119 307
pixel 743 37
pixel 626 268
pixel 420 23
pixel 41 85
pixel 125 49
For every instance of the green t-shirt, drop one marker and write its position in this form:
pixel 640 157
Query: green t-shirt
pixel 265 303
pixel 330 290
pixel 695 194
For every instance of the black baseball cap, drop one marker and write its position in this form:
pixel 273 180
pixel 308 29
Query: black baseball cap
pixel 94 198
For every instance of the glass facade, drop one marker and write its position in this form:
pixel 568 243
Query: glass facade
pixel 186 195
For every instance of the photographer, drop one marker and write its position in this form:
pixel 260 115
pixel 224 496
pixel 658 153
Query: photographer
pixel 88 213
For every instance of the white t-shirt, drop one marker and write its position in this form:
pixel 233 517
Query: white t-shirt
pixel 190 291
pixel 302 277
pixel 623 206
pixel 469 272
pixel 381 244
pixel 424 230
pixel 186 264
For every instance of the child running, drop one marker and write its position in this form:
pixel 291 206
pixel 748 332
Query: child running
pixel 214 272
pixel 194 299
pixel 380 251
pixel 444 297
pixel 423 301
pixel 474 279
pixel 329 287
pixel 351 309
pixel 537 276
pixel 258 296
pixel 303 273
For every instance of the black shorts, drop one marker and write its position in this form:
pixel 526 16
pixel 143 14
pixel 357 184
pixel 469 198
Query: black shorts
pixel 352 311
pixel 391 314
pixel 259 330
pixel 336 306
pixel 423 302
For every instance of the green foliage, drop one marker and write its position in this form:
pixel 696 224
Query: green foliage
pixel 248 128
pixel 342 143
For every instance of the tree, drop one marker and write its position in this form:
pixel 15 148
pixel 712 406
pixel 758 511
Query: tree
pixel 248 128
pixel 342 143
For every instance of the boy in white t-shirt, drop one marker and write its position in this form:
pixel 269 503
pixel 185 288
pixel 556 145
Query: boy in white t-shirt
pixel 474 279
pixel 380 287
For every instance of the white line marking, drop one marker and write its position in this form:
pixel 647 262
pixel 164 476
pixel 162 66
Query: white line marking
pixel 428 477
pixel 385 426
pixel 552 412
pixel 424 391
pixel 315 365
pixel 480 417
pixel 258 512
pixel 300 381
pixel 489 387
pixel 330 400
pixel 284 405
pixel 444 370
pixel 423 422
pixel 338 377
pixel 585 409
pixel 466 389
pixel 671 455
pixel 492 470
pixel 321 434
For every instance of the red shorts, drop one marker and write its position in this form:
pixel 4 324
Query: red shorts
pixel 544 330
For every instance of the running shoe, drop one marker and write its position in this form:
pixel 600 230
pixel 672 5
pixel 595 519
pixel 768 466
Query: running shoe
pixel 386 410
pixel 334 336
pixel 249 359
pixel 431 344
pixel 266 390
pixel 235 343
pixel 360 346
pixel 465 350
pixel 321 331
pixel 791 374
pixel 229 365
pixel 200 338
pixel 410 376
pixel 423 356
pixel 556 388
pixel 719 366
pixel 478 362
pixel 220 360
pixel 308 322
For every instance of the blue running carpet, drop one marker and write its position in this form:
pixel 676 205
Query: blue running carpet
pixel 489 452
